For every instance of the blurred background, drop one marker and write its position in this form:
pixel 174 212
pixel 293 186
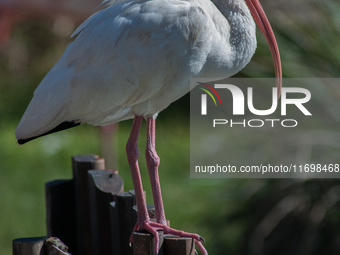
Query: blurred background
pixel 235 216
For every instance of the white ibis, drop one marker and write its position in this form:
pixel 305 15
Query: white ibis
pixel 132 59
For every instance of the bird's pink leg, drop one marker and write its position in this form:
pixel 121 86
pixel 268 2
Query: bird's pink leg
pixel 132 155
pixel 143 221
pixel 152 161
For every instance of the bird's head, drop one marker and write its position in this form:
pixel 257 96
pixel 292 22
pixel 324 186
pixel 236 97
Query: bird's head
pixel 261 20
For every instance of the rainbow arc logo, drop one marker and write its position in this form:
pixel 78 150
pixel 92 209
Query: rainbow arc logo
pixel 204 97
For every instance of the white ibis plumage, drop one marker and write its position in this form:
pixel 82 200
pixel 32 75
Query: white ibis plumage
pixel 132 59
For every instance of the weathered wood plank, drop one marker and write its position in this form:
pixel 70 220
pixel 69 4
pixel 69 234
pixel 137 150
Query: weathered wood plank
pixel 144 243
pixel 61 213
pixel 115 235
pixel 29 246
pixel 80 165
pixel 103 185
pixel 174 245
pixel 126 220
pixel 39 246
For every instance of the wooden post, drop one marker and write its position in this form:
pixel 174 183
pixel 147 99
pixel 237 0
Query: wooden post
pixel 174 245
pixel 61 213
pixel 144 243
pixel 39 246
pixel 103 184
pixel 115 236
pixel 80 165
pixel 81 212
pixel 29 246
pixel 127 218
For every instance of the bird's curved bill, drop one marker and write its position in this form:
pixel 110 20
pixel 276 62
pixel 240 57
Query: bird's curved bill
pixel 261 20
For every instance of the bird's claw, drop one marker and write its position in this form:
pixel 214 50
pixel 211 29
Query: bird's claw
pixel 153 227
pixel 201 239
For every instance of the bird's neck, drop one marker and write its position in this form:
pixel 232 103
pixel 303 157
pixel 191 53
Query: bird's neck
pixel 242 33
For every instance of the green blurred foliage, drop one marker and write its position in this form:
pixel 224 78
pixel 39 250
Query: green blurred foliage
pixel 255 216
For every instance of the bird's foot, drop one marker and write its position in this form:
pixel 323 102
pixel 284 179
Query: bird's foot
pixel 153 227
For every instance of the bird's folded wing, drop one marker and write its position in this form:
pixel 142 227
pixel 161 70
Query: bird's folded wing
pixel 123 56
